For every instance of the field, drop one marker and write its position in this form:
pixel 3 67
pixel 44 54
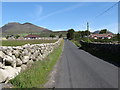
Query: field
pixel 38 74
pixel 23 42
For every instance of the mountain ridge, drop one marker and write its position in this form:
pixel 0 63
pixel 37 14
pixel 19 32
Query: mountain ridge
pixel 18 28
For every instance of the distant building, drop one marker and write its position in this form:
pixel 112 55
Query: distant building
pixel 101 36
pixel 20 38
pixel 11 37
pixel 32 37
pixel 3 38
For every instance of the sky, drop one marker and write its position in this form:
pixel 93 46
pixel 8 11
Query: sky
pixel 58 16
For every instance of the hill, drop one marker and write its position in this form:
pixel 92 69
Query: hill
pixel 17 28
pixel 60 32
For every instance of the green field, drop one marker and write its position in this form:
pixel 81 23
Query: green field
pixel 37 75
pixel 23 42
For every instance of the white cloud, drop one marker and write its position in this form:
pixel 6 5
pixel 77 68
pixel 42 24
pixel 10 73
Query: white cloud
pixel 37 12
pixel 58 12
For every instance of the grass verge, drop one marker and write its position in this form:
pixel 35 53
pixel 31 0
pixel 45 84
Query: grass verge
pixel 37 74
pixel 76 43
pixel 23 42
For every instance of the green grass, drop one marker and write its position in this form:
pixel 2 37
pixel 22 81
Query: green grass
pixel 42 34
pixel 37 74
pixel 23 42
pixel 76 43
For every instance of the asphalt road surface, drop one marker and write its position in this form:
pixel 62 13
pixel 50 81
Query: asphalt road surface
pixel 79 69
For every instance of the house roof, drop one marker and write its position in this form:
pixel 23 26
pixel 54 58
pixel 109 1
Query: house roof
pixel 28 36
pixel 101 35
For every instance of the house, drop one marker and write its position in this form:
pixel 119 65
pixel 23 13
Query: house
pixel 3 38
pixel 32 37
pixel 11 37
pixel 101 36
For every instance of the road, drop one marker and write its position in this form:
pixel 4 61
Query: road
pixel 79 69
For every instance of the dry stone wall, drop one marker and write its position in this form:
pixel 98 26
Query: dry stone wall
pixel 107 52
pixel 13 60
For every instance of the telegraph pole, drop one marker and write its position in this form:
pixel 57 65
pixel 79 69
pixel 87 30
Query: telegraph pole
pixel 87 26
pixel 88 30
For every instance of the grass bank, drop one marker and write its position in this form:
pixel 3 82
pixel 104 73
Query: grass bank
pixel 23 42
pixel 37 74
pixel 76 43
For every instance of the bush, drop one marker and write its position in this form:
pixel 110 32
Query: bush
pixel 52 35
pixel 17 36
pixel 60 35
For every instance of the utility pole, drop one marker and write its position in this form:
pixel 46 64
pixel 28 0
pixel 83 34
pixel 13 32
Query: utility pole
pixel 88 30
pixel 87 26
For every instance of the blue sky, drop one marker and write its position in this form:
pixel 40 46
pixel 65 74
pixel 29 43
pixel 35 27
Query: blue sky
pixel 62 15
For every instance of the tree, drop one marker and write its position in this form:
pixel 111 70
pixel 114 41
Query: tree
pixel 84 33
pixel 87 32
pixel 103 31
pixel 52 35
pixel 17 36
pixel 77 35
pixel 70 34
pixel 60 35
pixel 7 36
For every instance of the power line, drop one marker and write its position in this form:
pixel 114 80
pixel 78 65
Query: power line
pixel 107 10
pixel 104 12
